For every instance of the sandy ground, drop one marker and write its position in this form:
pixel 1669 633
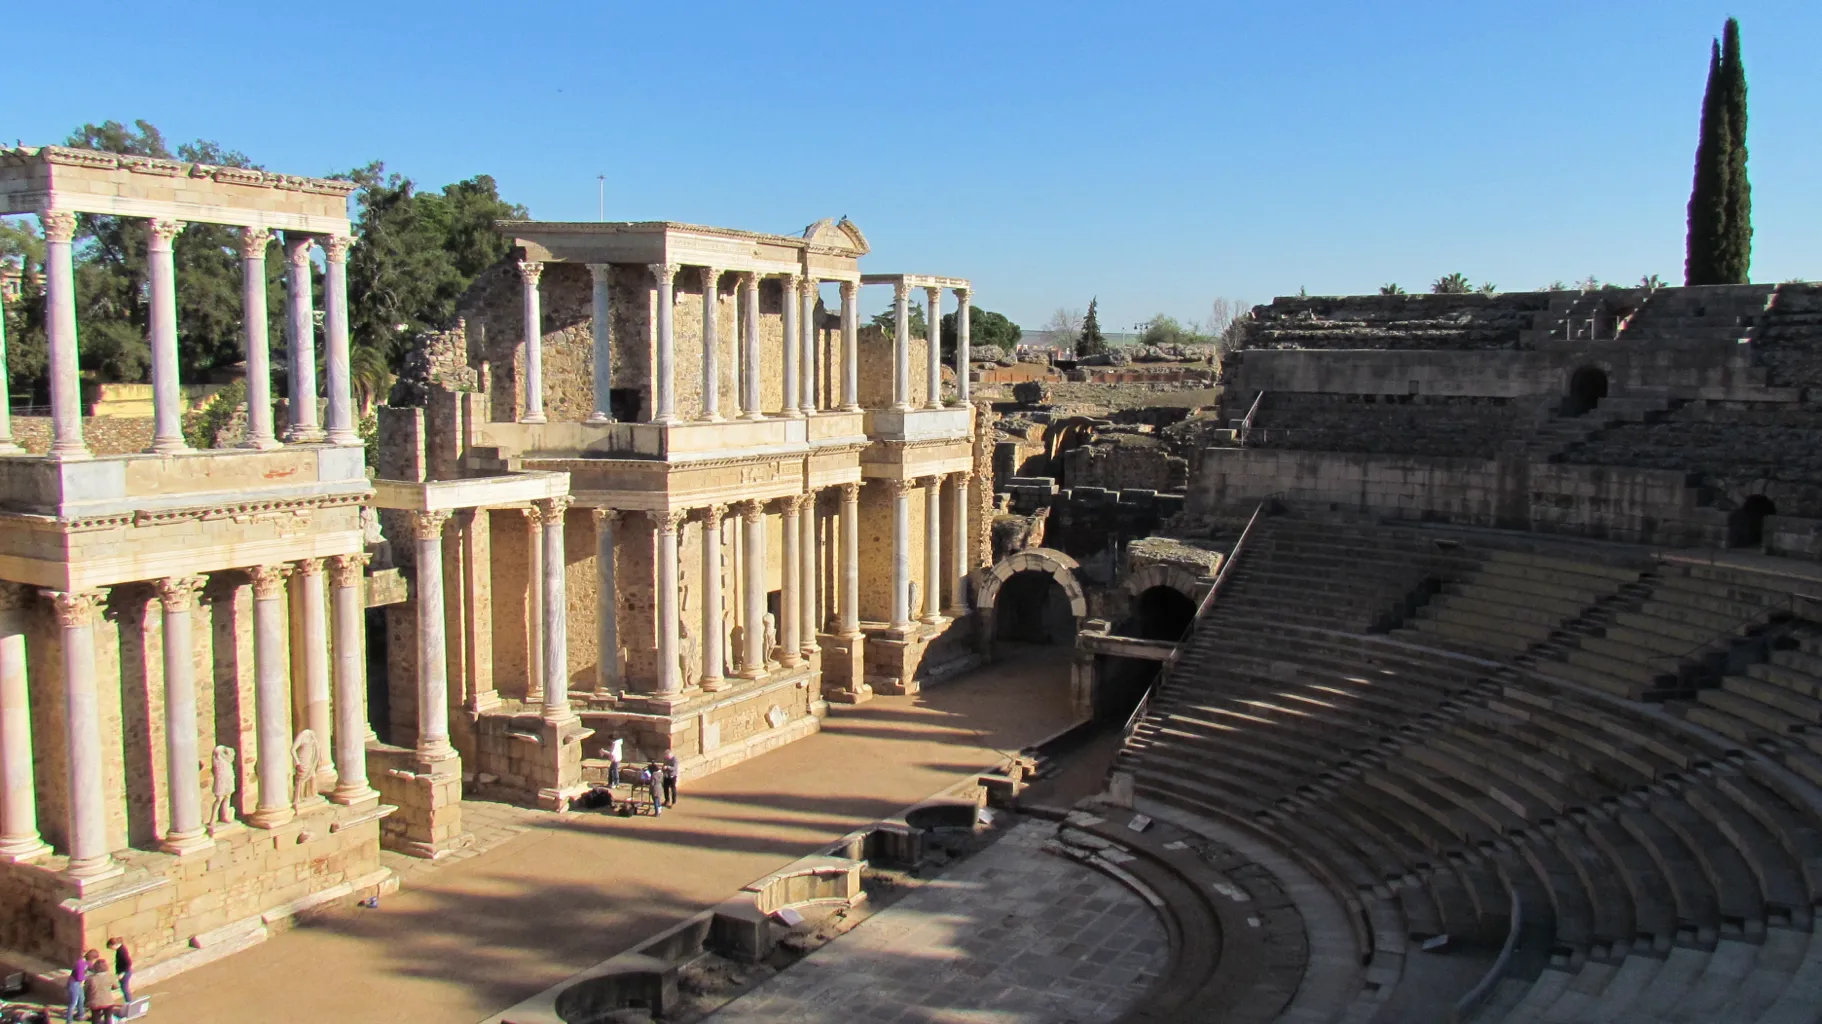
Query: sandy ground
pixel 465 941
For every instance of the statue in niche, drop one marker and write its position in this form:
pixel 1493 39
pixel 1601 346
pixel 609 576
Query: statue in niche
pixel 305 757
pixel 771 640
pixel 222 786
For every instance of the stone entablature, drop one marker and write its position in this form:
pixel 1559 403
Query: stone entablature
pixel 835 247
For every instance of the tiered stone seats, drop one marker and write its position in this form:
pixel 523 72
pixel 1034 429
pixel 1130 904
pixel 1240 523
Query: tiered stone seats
pixel 1434 426
pixel 1685 316
pixel 1665 858
pixel 1788 340
pixel 1718 440
pixel 1508 320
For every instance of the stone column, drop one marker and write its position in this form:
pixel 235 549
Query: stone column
pixel 807 322
pixel 529 273
pixel 958 532
pixel 167 392
pixel 850 560
pixel 433 649
pixel 271 699
pixel 807 577
pixel 962 359
pixel 348 605
pixel 7 445
pixel 301 339
pixel 711 343
pixel 788 309
pixel 850 347
pixel 749 347
pixel 790 653
pixel 313 639
pixel 933 550
pixel 670 676
pixel 604 356
pixel 901 347
pixel 60 336
pixel 87 845
pixel 607 606
pixel 534 607
pixel 752 626
pixel 337 369
pixel 19 839
pixel 901 552
pixel 933 326
pixel 713 629
pixel 664 389
pixel 187 831
pixel 253 332
pixel 552 512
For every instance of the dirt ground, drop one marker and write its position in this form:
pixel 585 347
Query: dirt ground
pixel 465 941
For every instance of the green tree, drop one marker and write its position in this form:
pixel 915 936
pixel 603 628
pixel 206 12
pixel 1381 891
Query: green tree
pixel 1719 249
pixel 1091 341
pixel 1390 289
pixel 1454 284
pixel 887 320
pixel 986 329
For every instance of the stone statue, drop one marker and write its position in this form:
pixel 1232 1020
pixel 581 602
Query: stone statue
pixel 222 786
pixel 686 652
pixel 305 756
pixel 771 639
pixel 912 608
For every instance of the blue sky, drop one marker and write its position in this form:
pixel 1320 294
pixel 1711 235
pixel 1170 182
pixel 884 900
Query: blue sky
pixel 1155 155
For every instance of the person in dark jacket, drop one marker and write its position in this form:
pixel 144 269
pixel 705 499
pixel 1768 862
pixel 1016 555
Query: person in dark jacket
pixel 123 966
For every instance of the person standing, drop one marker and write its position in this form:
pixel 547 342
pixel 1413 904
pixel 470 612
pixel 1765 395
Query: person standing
pixel 655 775
pixel 102 990
pixel 614 751
pixel 77 990
pixel 671 770
pixel 123 966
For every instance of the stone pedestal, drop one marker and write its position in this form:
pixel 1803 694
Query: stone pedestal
pixel 844 669
pixel 428 794
pixel 562 748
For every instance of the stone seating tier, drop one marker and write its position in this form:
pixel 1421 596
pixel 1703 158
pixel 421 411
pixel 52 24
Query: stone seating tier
pixel 1745 442
pixel 1431 426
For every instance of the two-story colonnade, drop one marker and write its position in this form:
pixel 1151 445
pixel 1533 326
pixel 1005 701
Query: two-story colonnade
pixel 768 507
pixel 183 705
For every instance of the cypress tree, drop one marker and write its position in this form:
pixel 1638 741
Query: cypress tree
pixel 1733 257
pixel 1707 210
pixel 1091 342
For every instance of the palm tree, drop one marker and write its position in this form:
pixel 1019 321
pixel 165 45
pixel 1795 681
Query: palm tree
pixel 1390 289
pixel 1454 284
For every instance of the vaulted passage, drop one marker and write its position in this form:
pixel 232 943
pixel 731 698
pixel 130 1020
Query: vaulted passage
pixel 1159 613
pixel 1032 607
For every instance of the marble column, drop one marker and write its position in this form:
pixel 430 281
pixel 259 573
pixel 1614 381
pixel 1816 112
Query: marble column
pixel 900 490
pixel 271 698
pixel 752 556
pixel 7 445
pixel 87 844
pixel 19 838
pixel 253 243
pixel 313 640
pixel 933 365
pixel 788 310
pixel 711 343
pixel 933 550
pixel 670 677
pixel 433 644
pixel 607 606
pixel 161 286
pixel 529 273
pixel 60 337
pixel 338 371
pixel 850 346
pixel 300 337
pixel 807 577
pixel 850 560
pixel 187 832
pixel 552 512
pixel 901 347
pixel 714 630
pixel 963 299
pixel 790 652
pixel 664 363
pixel 749 347
pixel 604 356
pixel 348 606
pixel 534 606
pixel 958 532
pixel 807 327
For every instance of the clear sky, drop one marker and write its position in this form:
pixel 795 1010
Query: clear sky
pixel 1155 155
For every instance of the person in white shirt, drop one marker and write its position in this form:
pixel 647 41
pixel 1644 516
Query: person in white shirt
pixel 613 762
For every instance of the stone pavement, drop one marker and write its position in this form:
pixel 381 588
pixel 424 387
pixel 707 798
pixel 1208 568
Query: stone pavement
pixel 480 931
pixel 1010 935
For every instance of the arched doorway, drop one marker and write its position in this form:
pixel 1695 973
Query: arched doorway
pixel 1033 608
pixel 1586 389
pixel 1160 613
pixel 1746 524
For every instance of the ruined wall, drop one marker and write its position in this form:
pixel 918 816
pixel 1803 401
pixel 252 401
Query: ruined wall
pixel 1120 462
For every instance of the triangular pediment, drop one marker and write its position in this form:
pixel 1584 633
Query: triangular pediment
pixel 833 234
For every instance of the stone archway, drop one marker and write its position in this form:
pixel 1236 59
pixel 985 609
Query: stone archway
pixel 1175 577
pixel 1058 566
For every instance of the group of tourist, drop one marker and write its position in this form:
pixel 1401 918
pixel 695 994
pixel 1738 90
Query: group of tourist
pixel 98 988
pixel 658 779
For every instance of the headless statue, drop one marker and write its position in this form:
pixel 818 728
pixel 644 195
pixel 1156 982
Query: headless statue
pixel 305 757
pixel 222 785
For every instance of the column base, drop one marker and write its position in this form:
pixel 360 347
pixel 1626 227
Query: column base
pixel 260 444
pixel 598 418
pixel 792 414
pixel 851 407
pixel 932 620
pixel 716 685
pixel 354 795
pixel 752 416
pixel 169 447
pixel 10 447
pixel 271 817
pixel 857 696
pixel 91 874
pixel 344 437
pixel 223 828
pixel 23 850
pixel 933 405
pixel 76 453
pixel 667 419
pixel 187 844
pixel 304 435
pixel 535 418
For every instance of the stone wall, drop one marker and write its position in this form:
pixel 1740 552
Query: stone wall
pixel 1503 321
pixel 1447 427
pixel 1121 461
pixel 877 368
pixel 1788 339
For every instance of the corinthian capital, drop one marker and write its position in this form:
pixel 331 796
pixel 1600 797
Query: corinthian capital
pixel 605 516
pixel 552 510
pixel 58 225
pixel 850 493
pixel 667 520
pixel 897 488
pixel 335 248
pixel 162 233
pixel 75 608
pixel 346 570
pixel 750 511
pixel 711 279
pixel 268 580
pixel 711 516
pixel 530 271
pixel 901 292
pixel 253 242
pixel 297 248
pixel 308 566
pixel 428 525
pixel 178 593
pixel 663 273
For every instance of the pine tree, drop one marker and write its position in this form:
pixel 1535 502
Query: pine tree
pixel 1720 201
pixel 1091 342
